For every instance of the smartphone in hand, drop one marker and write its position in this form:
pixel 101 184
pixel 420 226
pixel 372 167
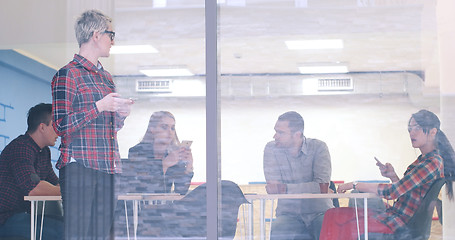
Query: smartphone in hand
pixel 379 163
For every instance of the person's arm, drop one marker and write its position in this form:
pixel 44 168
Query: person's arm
pixel 66 119
pixel 387 171
pixel 272 172
pixel 25 174
pixel 44 188
pixel 415 176
pixel 360 186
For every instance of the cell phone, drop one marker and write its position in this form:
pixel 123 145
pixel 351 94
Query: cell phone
pixel 186 143
pixel 379 162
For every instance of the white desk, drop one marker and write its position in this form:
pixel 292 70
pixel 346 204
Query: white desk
pixel 34 200
pixel 263 197
pixel 136 198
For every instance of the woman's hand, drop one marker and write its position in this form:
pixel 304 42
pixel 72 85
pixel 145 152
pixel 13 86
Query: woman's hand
pixel 388 171
pixel 187 157
pixel 170 160
pixel 182 154
pixel 342 188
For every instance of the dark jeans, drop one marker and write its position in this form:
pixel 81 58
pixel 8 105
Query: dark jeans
pixel 292 227
pixel 18 225
pixel 88 202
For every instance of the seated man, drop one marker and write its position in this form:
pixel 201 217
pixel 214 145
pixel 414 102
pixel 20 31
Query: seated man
pixel 25 169
pixel 296 164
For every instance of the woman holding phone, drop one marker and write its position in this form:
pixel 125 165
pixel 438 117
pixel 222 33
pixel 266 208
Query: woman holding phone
pixel 171 162
pixel 436 161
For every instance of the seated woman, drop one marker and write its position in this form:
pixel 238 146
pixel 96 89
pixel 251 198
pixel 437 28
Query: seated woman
pixel 171 165
pixel 435 161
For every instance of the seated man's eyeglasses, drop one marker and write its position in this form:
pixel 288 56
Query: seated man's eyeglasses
pixel 111 34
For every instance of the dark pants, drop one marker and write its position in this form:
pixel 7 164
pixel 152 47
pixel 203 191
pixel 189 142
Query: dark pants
pixel 18 225
pixel 292 227
pixel 88 202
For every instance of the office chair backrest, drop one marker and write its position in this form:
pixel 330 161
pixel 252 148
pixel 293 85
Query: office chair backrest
pixel 192 212
pixel 419 225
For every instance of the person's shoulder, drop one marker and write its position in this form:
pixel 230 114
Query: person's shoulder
pixel 20 141
pixel 17 145
pixel 270 144
pixel 140 149
pixel 434 156
pixel 69 68
pixel 315 141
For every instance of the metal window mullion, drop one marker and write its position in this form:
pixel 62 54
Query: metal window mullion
pixel 212 118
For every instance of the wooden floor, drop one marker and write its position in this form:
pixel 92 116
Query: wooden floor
pixel 436 231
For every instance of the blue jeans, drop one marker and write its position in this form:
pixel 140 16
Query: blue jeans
pixel 18 225
pixel 292 227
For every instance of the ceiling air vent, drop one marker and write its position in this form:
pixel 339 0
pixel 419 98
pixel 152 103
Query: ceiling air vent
pixel 155 85
pixel 335 84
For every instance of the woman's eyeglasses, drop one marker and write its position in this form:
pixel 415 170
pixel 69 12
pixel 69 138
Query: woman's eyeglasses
pixel 111 34
pixel 414 128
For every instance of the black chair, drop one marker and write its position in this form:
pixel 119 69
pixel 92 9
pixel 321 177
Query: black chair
pixel 419 226
pixel 187 217
pixel 336 202
pixel 13 238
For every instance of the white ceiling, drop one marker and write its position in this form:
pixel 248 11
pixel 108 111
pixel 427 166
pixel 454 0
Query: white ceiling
pixel 378 35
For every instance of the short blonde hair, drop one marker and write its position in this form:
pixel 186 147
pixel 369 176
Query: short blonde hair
pixel 89 22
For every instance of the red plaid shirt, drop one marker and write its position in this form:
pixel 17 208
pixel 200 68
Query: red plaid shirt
pixel 22 165
pixel 411 189
pixel 88 136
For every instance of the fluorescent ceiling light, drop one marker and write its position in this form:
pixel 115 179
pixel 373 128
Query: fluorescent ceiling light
pixel 235 3
pixel 315 44
pixel 167 72
pixel 132 49
pixel 159 3
pixel 323 69
pixel 301 3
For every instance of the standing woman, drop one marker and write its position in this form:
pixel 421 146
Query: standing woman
pixel 171 164
pixel 436 161
pixel 87 114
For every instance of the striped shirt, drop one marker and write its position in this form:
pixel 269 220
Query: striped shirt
pixel 88 136
pixel 410 190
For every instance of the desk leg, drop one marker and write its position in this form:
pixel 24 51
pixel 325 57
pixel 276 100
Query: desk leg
pixel 250 221
pixel 42 220
pixel 135 217
pixel 32 220
pixel 365 217
pixel 127 223
pixel 262 221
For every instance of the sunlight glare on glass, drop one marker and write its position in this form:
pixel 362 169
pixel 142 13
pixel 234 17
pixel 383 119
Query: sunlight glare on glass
pixel 323 69
pixel 132 49
pixel 315 44
pixel 176 72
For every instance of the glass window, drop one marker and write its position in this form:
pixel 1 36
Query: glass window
pixel 355 70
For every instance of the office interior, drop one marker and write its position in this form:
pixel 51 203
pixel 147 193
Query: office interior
pixel 354 69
